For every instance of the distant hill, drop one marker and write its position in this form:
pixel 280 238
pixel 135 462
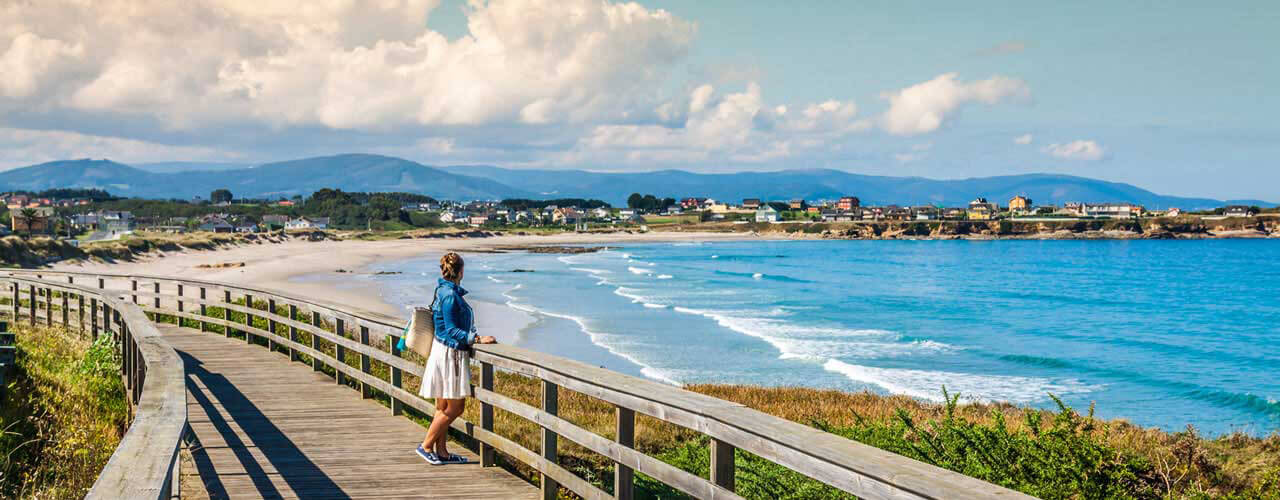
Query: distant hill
pixel 116 178
pixel 351 172
pixel 363 172
pixel 831 184
pixel 188 166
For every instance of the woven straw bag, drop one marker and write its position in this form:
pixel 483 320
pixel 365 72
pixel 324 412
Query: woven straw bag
pixel 422 329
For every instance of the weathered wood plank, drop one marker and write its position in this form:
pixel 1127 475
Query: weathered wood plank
pixel 265 428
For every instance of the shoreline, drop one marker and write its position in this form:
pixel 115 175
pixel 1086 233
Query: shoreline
pixel 309 268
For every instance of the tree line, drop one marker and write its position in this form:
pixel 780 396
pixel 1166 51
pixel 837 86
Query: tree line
pixel 648 202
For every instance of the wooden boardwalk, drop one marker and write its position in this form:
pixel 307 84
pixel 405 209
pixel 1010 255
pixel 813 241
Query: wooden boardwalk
pixel 267 428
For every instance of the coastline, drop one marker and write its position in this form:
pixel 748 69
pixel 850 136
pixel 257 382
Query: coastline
pixel 312 268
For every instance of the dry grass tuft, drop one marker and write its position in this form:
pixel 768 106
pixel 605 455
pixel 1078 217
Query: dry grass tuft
pixel 62 416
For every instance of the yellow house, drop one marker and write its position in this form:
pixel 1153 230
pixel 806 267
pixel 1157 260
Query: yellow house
pixel 1019 204
pixel 979 209
pixel 980 213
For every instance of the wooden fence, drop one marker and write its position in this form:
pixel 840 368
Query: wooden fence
pixel 354 340
pixel 145 464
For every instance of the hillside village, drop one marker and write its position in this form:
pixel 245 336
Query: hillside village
pixel 86 215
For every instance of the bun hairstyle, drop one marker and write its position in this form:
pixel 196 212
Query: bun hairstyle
pixel 451 266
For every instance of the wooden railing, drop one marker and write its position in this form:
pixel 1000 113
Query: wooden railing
pixel 145 464
pixel 861 470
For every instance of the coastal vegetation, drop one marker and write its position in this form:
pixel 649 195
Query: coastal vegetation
pixel 1051 454
pixel 31 252
pixel 62 413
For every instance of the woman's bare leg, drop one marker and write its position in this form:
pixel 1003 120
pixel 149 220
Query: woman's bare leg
pixel 439 425
pixel 452 410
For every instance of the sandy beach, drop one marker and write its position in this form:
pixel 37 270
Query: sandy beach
pixel 310 269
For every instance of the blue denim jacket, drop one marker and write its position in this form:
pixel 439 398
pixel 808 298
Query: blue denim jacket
pixel 452 315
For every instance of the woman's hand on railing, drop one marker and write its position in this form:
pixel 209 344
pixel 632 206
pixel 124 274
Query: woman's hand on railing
pixel 485 339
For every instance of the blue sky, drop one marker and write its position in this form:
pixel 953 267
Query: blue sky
pixel 1174 97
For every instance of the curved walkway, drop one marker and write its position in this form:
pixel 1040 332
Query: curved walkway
pixel 264 428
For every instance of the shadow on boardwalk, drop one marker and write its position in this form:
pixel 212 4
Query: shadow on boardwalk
pixel 264 427
pixel 293 467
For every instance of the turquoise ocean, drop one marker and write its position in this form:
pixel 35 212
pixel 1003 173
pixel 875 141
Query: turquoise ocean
pixel 1162 333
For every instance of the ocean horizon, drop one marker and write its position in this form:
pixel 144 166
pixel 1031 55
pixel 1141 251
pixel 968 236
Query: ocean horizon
pixel 1160 333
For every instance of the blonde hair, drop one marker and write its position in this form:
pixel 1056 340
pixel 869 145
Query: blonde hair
pixel 451 266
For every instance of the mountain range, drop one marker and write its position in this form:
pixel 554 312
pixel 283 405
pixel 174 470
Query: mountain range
pixel 371 173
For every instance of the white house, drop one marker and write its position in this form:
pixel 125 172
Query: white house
pixel 451 216
pixel 1112 210
pixel 766 213
pixel 308 223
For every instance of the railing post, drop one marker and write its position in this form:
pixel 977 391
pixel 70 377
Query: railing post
pixel 315 360
pixel 366 390
pixel 271 324
pixel 93 317
pixel 32 309
pixel 102 283
pixel 126 359
pixel 66 310
pixel 48 306
pixel 17 306
pixel 134 284
pixel 156 289
pixel 722 467
pixel 175 475
pixel 8 353
pixel 486 414
pixel 226 313
pixel 204 309
pixel 248 318
pixel 180 303
pixel 397 377
pixel 71 279
pixel 550 445
pixel 293 331
pixel 623 476
pixel 80 313
pixel 339 352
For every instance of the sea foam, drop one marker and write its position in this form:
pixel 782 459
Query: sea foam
pixel 927 384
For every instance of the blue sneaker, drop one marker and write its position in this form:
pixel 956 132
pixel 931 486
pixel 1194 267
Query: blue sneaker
pixel 454 459
pixel 430 457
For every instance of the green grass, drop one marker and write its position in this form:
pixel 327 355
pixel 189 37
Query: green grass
pixel 62 413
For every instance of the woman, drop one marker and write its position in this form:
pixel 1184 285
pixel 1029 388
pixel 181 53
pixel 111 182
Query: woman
pixel 448 374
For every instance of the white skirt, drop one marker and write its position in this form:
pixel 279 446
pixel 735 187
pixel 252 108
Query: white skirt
pixel 448 373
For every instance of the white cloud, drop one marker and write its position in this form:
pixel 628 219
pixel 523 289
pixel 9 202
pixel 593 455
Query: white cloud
pixel 338 64
pixel 924 107
pixel 21 147
pixel 31 62
pixel 737 126
pixel 1076 150
pixel 1023 139
pixel 531 82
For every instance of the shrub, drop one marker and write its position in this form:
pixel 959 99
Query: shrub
pixel 62 416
